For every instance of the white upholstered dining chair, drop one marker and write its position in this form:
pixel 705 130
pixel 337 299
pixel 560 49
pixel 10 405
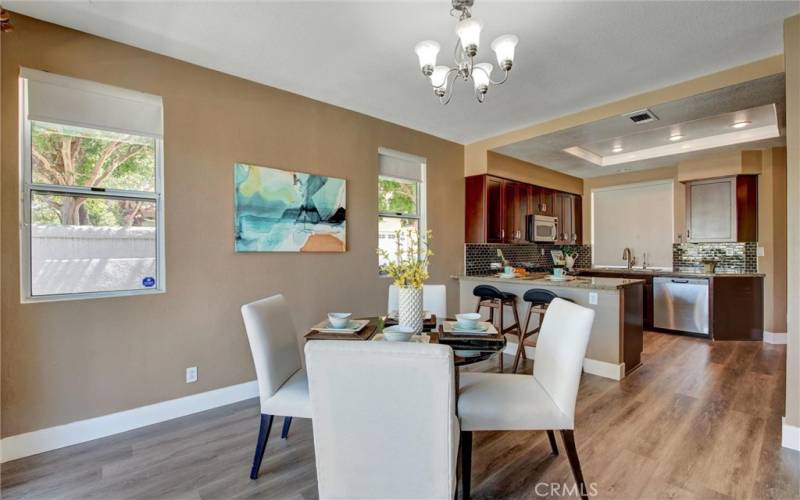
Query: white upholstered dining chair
pixel 544 401
pixel 282 383
pixel 434 299
pixel 384 419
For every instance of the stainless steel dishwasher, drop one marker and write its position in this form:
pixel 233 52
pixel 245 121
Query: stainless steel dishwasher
pixel 681 304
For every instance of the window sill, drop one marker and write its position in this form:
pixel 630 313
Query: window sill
pixel 89 295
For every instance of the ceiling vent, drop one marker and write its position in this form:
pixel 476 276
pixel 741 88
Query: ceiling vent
pixel 641 116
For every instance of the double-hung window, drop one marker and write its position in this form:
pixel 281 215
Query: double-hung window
pixel 91 178
pixel 401 197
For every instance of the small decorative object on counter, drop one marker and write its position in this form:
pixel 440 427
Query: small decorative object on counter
pixel 570 254
pixel 408 267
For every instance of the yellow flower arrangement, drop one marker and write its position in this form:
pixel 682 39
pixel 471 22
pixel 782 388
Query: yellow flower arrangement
pixel 408 267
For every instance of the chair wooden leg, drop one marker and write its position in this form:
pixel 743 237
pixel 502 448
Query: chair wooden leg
pixel 500 329
pixel 261 444
pixel 466 463
pixel 520 353
pixel 287 421
pixel 572 454
pixel 551 436
pixel 523 331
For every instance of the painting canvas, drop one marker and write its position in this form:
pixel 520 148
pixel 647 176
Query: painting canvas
pixel 281 211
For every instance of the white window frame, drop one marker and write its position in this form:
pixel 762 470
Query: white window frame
pixel 421 215
pixel 28 187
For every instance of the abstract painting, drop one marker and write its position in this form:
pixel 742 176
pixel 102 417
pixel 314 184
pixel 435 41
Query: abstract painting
pixel 280 211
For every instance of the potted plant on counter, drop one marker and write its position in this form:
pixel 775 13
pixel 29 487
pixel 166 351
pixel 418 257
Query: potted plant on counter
pixel 570 255
pixel 408 267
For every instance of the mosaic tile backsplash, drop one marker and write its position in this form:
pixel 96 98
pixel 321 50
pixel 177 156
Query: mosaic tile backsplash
pixel 480 256
pixel 730 257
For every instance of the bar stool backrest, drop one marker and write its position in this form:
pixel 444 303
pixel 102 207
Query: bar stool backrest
pixel 487 292
pixel 539 296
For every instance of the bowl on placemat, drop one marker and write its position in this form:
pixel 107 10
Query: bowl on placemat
pixel 339 320
pixel 398 333
pixel 468 321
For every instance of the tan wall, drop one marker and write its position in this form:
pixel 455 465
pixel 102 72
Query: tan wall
pixel 518 170
pixel 791 44
pixel 720 165
pixel 771 164
pixel 66 361
pixel 772 237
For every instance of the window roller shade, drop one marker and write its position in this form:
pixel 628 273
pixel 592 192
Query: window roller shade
pixel 71 101
pixel 400 167
pixel 637 216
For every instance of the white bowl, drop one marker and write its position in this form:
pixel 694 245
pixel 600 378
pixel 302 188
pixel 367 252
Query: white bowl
pixel 468 321
pixel 398 333
pixel 339 320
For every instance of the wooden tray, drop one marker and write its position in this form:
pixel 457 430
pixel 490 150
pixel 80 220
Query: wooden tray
pixel 365 333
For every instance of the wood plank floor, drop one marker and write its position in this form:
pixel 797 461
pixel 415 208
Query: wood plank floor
pixel 698 420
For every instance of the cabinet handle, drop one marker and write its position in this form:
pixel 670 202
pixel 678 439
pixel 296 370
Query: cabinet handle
pixel 502 233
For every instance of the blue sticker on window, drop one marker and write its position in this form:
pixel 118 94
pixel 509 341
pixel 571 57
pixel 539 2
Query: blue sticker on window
pixel 149 282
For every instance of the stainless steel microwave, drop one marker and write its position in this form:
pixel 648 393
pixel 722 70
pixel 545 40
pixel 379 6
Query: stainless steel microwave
pixel 542 228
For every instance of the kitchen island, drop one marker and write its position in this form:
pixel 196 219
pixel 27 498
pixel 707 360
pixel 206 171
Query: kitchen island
pixel 735 302
pixel 615 345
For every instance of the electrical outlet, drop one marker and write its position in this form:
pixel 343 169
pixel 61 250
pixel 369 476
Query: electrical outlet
pixel 759 251
pixel 542 251
pixel 593 298
pixel 191 374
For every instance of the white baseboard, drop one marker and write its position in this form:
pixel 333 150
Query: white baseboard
pixel 775 337
pixel 790 436
pixel 599 368
pixel 31 443
pixel 604 369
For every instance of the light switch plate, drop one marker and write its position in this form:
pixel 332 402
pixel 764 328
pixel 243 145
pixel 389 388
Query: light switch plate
pixel 593 298
pixel 759 251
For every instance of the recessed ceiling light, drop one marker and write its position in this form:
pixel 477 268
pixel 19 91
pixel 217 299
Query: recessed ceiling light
pixel 740 124
pixel 675 137
pixel 617 149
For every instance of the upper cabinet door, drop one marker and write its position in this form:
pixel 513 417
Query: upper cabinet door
pixel 711 210
pixel 577 220
pixel 495 211
pixel 543 201
pixel 567 219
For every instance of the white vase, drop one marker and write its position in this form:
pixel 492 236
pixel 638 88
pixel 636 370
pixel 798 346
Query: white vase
pixel 570 260
pixel 410 308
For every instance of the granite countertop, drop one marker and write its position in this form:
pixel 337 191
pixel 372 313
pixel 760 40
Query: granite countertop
pixel 540 279
pixel 674 274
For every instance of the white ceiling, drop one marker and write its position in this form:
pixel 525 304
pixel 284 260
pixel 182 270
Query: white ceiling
pixel 359 55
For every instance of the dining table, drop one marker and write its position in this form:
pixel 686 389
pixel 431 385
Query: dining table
pixel 467 350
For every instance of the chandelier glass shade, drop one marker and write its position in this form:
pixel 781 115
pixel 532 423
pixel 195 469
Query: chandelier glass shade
pixel 468 31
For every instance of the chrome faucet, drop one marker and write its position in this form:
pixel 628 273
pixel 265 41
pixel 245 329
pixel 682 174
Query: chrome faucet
pixel 626 255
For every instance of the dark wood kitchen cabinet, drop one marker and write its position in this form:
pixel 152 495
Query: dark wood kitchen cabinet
pixel 517 207
pixel 568 209
pixel 542 201
pixel 485 209
pixel 722 210
pixel 496 210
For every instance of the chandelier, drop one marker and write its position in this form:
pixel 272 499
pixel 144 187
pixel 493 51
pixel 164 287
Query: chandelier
pixel 469 33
